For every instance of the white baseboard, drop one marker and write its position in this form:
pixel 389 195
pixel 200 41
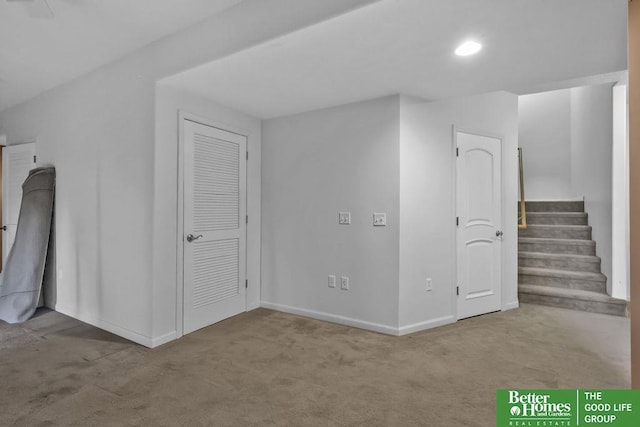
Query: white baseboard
pixel 109 327
pixel 253 306
pixel 510 305
pixel 334 318
pixel 163 339
pixel 427 324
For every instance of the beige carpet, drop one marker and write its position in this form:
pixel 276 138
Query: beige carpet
pixel 267 368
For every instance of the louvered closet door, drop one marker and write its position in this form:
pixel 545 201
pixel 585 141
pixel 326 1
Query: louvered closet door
pixel 214 221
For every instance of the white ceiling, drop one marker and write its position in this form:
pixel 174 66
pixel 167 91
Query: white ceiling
pixel 406 46
pixel 37 54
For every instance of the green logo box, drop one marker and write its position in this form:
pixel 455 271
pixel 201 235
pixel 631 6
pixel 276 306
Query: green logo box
pixel 562 408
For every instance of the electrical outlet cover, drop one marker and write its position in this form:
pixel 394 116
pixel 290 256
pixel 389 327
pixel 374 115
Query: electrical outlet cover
pixel 344 218
pixel 344 283
pixel 379 219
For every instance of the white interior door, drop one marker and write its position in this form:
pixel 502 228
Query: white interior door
pixel 479 237
pixel 214 225
pixel 17 161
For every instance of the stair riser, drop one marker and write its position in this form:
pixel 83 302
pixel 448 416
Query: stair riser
pixel 591 306
pixel 534 219
pixel 555 233
pixel 557 248
pixel 563 282
pixel 554 206
pixel 560 264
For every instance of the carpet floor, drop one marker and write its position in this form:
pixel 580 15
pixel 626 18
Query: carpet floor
pixel 266 368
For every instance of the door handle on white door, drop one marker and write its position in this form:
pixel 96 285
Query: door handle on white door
pixel 191 237
pixel 499 233
pixel 4 228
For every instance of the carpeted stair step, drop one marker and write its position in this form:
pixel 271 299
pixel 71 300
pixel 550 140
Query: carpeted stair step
pixel 555 206
pixel 584 281
pixel 557 218
pixel 559 246
pixel 572 299
pixel 572 262
pixel 557 231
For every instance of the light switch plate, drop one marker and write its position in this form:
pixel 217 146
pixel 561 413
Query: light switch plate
pixel 429 286
pixel 379 219
pixel 332 281
pixel 344 283
pixel 344 218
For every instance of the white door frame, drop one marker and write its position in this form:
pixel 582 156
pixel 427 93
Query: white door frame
pixel 454 229
pixel 3 143
pixel 182 116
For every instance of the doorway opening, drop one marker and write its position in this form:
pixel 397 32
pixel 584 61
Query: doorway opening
pixel 17 161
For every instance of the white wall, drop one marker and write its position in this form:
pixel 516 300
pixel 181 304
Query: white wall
pixel 591 160
pixel 167 289
pixel 544 133
pixel 313 166
pixel 427 195
pixel 390 155
pixel 620 196
pixel 99 132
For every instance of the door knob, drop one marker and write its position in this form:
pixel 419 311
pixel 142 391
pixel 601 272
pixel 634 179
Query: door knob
pixel 499 233
pixel 191 237
pixel 4 228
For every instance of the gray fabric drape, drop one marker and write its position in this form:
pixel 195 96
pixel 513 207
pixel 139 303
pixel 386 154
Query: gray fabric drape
pixel 21 279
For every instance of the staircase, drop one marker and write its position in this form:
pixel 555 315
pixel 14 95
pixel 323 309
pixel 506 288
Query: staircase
pixel 557 260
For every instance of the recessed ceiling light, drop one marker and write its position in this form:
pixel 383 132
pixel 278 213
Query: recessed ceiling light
pixel 468 48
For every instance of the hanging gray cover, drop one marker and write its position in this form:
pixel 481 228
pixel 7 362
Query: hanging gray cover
pixel 21 279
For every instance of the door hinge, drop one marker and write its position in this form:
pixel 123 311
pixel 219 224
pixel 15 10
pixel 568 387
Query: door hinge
pixel 457 290
pixel 457 152
pixel 34 159
pixel 247 155
pixel 457 221
pixel 247 219
pixel 246 284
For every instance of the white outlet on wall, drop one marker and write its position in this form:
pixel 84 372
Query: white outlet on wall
pixel 344 218
pixel 429 284
pixel 344 283
pixel 379 219
pixel 332 281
